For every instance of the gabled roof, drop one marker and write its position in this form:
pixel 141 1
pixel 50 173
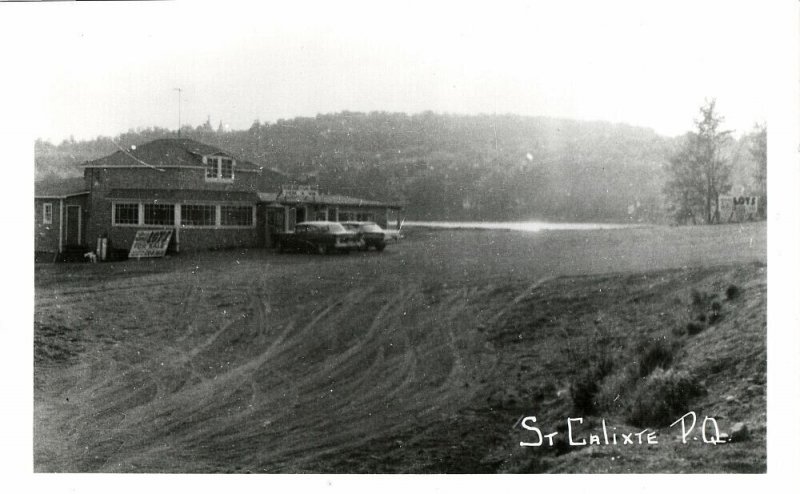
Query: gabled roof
pixel 167 153
pixel 59 188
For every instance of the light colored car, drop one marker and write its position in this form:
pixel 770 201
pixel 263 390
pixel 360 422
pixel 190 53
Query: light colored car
pixel 370 234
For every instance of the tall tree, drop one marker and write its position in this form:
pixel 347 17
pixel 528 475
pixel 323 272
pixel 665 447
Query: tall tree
pixel 699 172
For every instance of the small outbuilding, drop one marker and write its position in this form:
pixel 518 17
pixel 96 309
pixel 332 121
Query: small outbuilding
pixel 60 211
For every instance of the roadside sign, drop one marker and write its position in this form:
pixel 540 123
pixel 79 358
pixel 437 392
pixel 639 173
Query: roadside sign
pixel 725 208
pixel 150 243
pixel 297 193
pixel 737 208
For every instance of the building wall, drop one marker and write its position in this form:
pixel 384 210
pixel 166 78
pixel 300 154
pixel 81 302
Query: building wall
pixel 100 181
pixel 46 235
pixel 189 239
pixel 98 210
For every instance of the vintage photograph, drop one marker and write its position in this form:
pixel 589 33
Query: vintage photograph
pixel 434 238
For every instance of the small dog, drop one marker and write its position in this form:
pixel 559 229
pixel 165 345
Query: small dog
pixel 91 256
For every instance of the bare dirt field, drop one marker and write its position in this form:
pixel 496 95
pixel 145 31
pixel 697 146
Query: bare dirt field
pixel 422 359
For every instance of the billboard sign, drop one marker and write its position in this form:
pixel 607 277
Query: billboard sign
pixel 737 208
pixel 297 193
pixel 150 243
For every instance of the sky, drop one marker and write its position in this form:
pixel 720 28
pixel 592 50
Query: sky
pixel 89 69
pixel 104 69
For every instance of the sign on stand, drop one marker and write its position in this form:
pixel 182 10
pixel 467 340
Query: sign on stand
pixel 150 243
pixel 741 208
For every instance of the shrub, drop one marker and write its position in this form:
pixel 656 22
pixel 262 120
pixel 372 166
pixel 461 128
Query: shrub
pixel 653 354
pixel 614 393
pixel 716 313
pixel 584 388
pixel 693 328
pixel 698 299
pixel 732 292
pixel 663 397
pixel 701 300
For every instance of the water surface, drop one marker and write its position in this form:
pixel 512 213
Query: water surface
pixel 522 226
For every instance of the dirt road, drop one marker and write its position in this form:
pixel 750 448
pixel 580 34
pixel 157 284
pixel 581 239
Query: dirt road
pixel 252 361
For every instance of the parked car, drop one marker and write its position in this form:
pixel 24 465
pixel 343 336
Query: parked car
pixel 371 234
pixel 322 237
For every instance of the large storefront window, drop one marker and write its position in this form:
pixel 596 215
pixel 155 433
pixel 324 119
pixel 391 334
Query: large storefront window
pixel 198 215
pixel 237 216
pixel 126 214
pixel 159 214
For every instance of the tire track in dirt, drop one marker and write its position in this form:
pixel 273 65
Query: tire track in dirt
pixel 221 382
pixel 423 403
pixel 360 367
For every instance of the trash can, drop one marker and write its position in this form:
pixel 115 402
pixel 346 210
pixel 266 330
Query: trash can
pixel 102 247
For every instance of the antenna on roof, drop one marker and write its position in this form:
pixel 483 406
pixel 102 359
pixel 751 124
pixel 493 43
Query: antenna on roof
pixel 179 109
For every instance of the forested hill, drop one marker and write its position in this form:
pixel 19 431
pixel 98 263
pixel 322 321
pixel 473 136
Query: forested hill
pixel 501 167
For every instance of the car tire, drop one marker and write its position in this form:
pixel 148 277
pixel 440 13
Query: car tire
pixel 380 247
pixel 322 249
pixel 279 247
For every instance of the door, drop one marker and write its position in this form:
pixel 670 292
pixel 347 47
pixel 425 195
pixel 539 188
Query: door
pixel 72 227
pixel 275 224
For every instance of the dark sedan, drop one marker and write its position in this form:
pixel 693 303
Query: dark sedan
pixel 322 237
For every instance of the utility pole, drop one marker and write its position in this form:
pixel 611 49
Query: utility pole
pixel 179 109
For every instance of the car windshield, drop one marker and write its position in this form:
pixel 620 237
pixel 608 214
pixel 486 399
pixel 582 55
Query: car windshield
pixel 336 228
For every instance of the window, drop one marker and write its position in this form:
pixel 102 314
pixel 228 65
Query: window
pixel 198 215
pixel 226 169
pixel 47 213
pixel 159 214
pixel 219 168
pixel 237 216
pixel 126 214
pixel 211 167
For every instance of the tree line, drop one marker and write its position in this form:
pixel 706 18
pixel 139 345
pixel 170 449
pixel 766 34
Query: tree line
pixel 702 169
pixel 443 166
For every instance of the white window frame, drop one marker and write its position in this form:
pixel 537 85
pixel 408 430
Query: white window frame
pixel 190 227
pixel 178 220
pixel 252 215
pixel 140 214
pixel 47 213
pixel 218 167
pixel 143 216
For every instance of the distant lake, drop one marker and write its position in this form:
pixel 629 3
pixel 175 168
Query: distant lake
pixel 522 226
